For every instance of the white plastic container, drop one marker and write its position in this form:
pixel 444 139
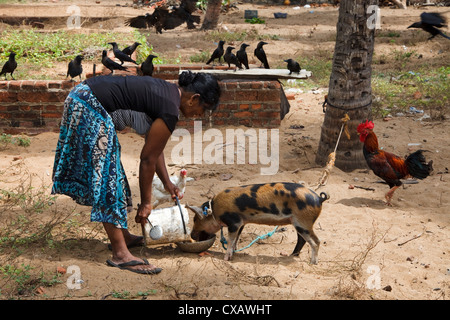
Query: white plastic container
pixel 169 219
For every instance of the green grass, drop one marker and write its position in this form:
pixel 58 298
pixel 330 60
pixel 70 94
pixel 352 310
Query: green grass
pixel 36 50
pixel 424 88
pixel 248 35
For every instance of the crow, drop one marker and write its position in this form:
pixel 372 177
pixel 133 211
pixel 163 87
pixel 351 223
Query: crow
pixel 217 53
pixel 242 55
pixel 130 49
pixel 429 22
pixel 261 54
pixel 142 22
pixel 164 19
pixel 230 58
pixel 184 11
pixel 147 65
pixel 293 66
pixel 120 55
pixel 111 65
pixel 9 66
pixel 75 68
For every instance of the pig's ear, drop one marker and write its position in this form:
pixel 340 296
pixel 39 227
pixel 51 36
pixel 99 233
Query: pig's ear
pixel 197 210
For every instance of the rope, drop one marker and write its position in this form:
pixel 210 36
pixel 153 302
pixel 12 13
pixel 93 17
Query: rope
pixel 326 102
pixel 332 156
pixel 262 237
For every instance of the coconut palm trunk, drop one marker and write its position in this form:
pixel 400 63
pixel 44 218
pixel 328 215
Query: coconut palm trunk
pixel 350 85
pixel 212 15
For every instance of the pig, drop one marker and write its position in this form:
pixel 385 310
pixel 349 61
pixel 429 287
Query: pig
pixel 269 203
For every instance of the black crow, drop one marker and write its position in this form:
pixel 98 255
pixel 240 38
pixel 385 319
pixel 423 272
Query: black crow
pixel 293 66
pixel 429 22
pixel 141 22
pixel 130 49
pixel 147 65
pixel 217 53
pixel 9 66
pixel 230 58
pixel 111 65
pixel 163 18
pixel 75 68
pixel 119 54
pixel 261 54
pixel 242 55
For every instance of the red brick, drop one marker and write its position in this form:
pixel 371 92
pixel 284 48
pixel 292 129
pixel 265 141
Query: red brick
pixel 4 115
pixel 244 122
pixel 228 96
pixel 257 85
pixel 271 107
pixel 222 68
pixel 256 106
pixel 230 85
pixel 268 114
pixel 290 96
pixel 28 85
pixel 24 115
pixel 58 108
pixel 3 84
pixel 218 122
pixel 272 85
pixel 245 84
pixel 243 114
pixel 41 96
pixel 228 106
pixel 41 84
pixel 269 95
pixel 8 96
pixel 12 108
pixel 275 122
pixel 174 68
pixel 27 124
pixel 55 84
pixel 248 95
pixel 50 115
pixel 25 108
pixel 192 67
pixel 221 114
pixel 67 84
pixel 15 85
pixel 244 106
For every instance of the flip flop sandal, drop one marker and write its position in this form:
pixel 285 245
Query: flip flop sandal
pixel 126 265
pixel 139 242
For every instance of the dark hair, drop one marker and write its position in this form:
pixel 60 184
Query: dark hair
pixel 205 84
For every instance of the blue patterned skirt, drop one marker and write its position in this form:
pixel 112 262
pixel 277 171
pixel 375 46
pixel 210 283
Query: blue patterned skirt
pixel 87 163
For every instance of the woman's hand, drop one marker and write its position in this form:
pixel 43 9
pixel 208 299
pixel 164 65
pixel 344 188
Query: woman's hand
pixel 142 214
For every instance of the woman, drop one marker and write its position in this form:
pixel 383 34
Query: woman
pixel 87 161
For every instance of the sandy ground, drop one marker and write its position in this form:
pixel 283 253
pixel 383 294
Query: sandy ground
pixel 368 250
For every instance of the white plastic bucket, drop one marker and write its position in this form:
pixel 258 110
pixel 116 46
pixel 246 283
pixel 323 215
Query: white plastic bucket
pixel 169 219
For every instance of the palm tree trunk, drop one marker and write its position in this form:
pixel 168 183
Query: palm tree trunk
pixel 212 15
pixel 350 85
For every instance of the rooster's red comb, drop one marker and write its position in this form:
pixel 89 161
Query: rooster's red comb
pixel 365 125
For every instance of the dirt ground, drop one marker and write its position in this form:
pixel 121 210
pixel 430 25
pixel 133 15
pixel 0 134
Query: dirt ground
pixel 368 250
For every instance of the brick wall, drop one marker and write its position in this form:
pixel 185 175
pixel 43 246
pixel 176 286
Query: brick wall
pixel 35 106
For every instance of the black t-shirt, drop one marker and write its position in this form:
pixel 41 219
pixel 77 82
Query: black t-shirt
pixel 150 97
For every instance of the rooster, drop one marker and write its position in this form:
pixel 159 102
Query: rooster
pixel 388 166
pixel 160 195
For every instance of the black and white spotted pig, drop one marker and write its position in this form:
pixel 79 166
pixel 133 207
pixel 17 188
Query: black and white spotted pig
pixel 271 203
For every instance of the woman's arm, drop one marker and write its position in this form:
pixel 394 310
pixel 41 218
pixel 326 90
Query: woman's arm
pixel 161 171
pixel 155 141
